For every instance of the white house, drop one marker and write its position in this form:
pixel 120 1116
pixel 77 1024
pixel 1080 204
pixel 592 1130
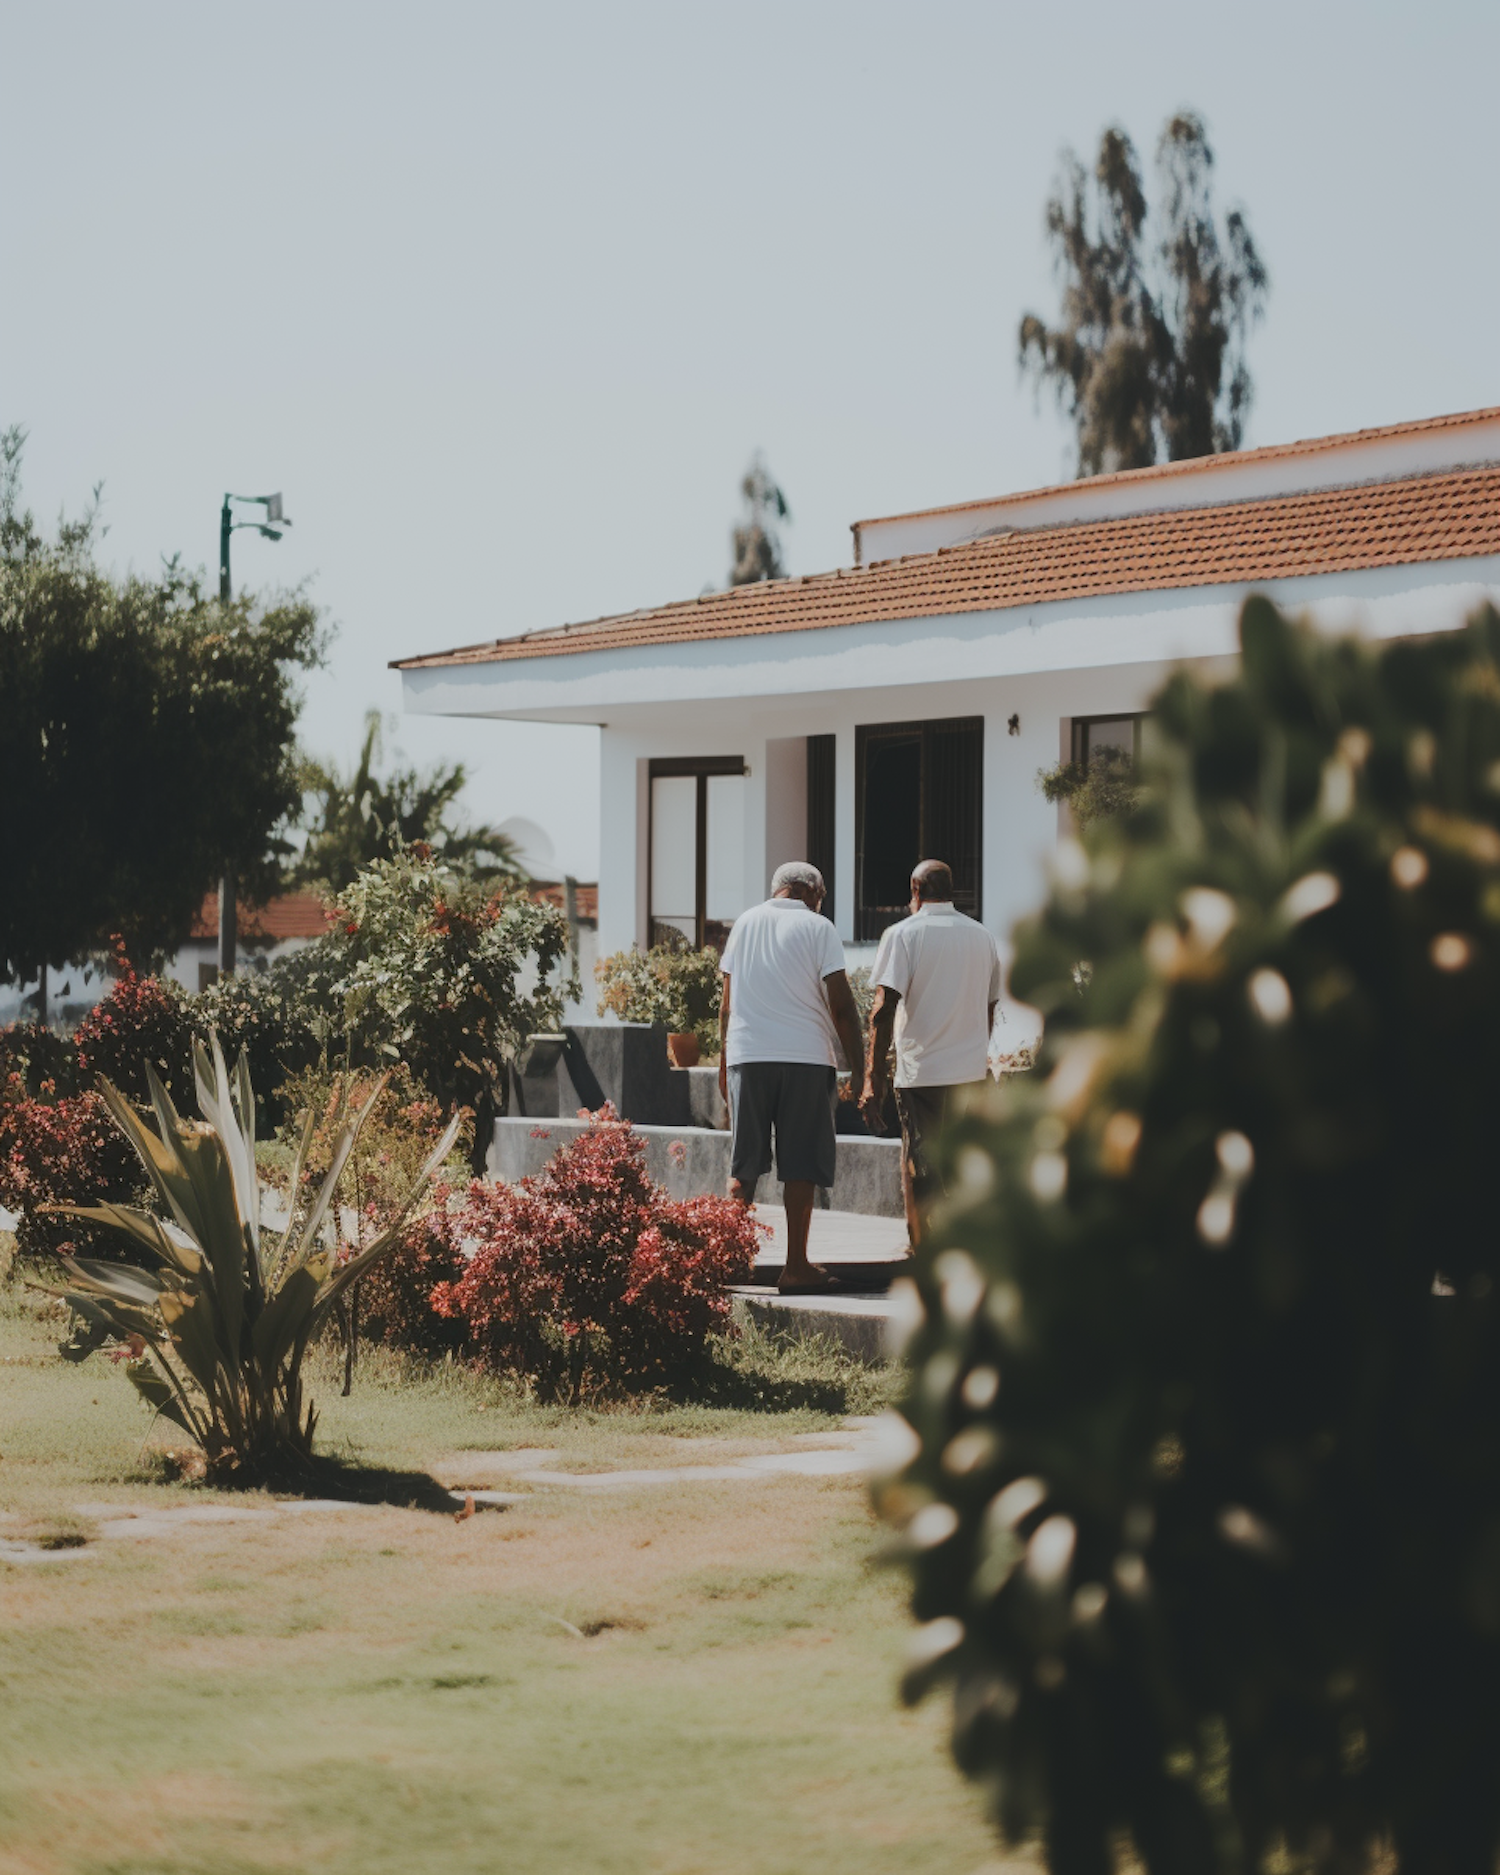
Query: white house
pixel 901 707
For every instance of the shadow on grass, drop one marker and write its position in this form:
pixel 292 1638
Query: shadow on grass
pixel 322 1476
pixel 750 1391
pixel 373 1484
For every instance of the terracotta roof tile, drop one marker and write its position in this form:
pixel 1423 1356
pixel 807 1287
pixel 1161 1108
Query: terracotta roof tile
pixel 1195 465
pixel 292 915
pixel 1447 516
pixel 551 893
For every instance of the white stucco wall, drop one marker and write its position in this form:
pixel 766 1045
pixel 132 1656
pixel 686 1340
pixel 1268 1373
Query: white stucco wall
pixel 1045 664
pixel 1020 827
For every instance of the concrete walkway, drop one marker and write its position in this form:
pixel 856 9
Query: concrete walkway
pixel 867 1253
pixel 836 1240
pixel 861 1447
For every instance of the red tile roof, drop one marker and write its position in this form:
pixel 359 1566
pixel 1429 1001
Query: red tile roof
pixel 302 914
pixel 292 915
pixel 1196 465
pixel 552 893
pixel 1446 516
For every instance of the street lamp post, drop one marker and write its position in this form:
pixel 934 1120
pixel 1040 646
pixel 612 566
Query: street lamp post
pixel 272 525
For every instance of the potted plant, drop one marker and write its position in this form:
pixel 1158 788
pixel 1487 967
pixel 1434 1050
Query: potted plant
pixel 671 984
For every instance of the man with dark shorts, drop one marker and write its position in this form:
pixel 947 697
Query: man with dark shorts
pixel 787 1009
pixel 937 978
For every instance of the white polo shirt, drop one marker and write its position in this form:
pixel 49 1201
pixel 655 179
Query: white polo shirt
pixel 946 969
pixel 777 956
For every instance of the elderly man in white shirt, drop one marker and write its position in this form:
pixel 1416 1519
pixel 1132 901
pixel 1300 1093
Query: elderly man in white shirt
pixel 937 977
pixel 787 1010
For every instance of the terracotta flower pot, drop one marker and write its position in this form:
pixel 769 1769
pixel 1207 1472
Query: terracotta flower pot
pixel 682 1049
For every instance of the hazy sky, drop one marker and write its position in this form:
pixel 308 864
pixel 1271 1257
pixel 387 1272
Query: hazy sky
pixel 503 297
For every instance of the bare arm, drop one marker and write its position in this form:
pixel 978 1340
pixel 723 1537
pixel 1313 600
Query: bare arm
pixel 846 1021
pixel 989 1036
pixel 724 1039
pixel 882 1027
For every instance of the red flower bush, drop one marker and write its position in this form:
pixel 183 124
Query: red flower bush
pixel 396 1295
pixel 35 1063
pixel 588 1274
pixel 66 1150
pixel 142 1019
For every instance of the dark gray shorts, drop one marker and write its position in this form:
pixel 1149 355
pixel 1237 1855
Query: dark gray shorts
pixel 796 1099
pixel 924 1112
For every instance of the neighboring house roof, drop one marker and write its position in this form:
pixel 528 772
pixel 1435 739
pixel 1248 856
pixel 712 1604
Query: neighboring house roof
pixel 1415 519
pixel 292 915
pixel 1196 466
pixel 551 893
pixel 304 914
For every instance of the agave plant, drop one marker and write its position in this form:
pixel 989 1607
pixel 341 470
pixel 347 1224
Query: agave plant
pixel 224 1310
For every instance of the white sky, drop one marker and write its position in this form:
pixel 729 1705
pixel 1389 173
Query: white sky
pixel 503 297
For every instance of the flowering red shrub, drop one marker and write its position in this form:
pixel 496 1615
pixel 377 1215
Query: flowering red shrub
pixel 142 1019
pixel 66 1150
pixel 589 1274
pixel 396 1294
pixel 33 1058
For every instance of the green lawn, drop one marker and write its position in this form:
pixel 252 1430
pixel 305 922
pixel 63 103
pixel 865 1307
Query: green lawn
pixel 387 1689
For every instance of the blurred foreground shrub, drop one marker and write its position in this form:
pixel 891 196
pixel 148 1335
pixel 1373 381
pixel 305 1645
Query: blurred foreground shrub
pixel 1204 1510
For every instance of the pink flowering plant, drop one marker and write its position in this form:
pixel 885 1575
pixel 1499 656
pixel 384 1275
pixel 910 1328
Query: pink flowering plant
pixel 55 1148
pixel 143 1019
pixel 587 1277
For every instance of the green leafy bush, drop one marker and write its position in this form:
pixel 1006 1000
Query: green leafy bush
pixel 445 972
pixel 269 1016
pixel 671 984
pixel 1204 1507
pixel 37 1062
pixel 1105 784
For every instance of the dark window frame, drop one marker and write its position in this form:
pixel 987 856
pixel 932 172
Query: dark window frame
pixel 870 922
pixel 1081 725
pixel 686 767
pixel 822 811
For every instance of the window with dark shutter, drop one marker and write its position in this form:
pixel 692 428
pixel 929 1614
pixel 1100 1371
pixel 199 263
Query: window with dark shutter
pixel 821 751
pixel 918 795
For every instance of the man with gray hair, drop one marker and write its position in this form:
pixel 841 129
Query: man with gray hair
pixel 787 1009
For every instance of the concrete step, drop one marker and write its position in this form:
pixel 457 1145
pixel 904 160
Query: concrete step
pixel 868 1252
pixel 860 1323
pixel 690 1161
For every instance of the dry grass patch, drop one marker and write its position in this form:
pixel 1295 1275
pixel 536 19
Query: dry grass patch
pixel 678 1680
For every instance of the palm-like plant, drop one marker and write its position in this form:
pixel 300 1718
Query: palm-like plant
pixel 225 1311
